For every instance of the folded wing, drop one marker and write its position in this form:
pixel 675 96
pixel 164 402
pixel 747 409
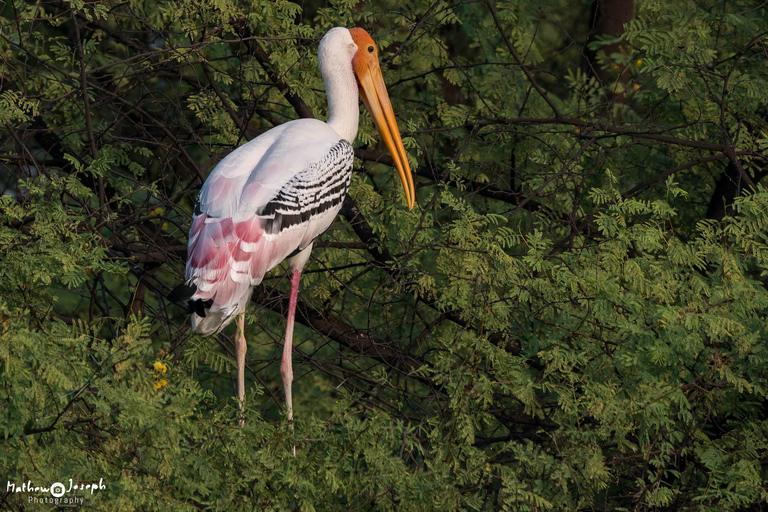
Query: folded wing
pixel 265 202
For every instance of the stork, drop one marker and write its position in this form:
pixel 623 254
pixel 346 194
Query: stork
pixel 269 200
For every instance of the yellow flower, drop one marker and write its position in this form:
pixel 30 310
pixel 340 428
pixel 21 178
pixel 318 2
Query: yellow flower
pixel 636 86
pixel 160 367
pixel 161 383
pixel 639 62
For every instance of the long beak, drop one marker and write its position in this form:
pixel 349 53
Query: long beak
pixel 374 94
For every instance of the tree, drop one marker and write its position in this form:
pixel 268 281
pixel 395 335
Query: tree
pixel 572 318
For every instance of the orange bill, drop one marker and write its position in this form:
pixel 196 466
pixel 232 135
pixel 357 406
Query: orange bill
pixel 374 95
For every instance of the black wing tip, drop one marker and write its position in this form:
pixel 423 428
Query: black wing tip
pixel 182 293
pixel 199 306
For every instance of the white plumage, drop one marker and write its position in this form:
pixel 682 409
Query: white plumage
pixel 233 241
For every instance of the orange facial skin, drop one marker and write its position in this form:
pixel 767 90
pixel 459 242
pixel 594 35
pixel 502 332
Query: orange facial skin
pixel 374 94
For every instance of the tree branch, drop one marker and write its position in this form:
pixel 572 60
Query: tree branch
pixel 298 104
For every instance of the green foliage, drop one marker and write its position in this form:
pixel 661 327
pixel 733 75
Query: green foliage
pixel 560 324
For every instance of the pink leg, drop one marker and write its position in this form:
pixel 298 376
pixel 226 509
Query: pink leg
pixel 286 364
pixel 241 348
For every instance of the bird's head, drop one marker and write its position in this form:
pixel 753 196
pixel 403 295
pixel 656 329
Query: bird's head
pixel 365 64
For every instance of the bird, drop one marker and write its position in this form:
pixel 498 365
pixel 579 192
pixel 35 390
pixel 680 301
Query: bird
pixel 269 199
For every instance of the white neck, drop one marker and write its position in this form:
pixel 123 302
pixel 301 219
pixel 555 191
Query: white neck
pixel 341 90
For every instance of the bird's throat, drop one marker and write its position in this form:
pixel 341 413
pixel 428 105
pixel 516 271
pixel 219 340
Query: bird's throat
pixel 343 101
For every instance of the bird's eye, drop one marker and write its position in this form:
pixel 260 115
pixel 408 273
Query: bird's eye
pixel 370 49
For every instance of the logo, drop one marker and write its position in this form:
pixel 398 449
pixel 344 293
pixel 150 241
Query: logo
pixel 60 494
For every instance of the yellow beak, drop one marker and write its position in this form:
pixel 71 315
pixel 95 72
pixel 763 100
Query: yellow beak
pixel 374 95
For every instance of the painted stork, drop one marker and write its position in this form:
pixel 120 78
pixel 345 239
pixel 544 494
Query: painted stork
pixel 272 197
